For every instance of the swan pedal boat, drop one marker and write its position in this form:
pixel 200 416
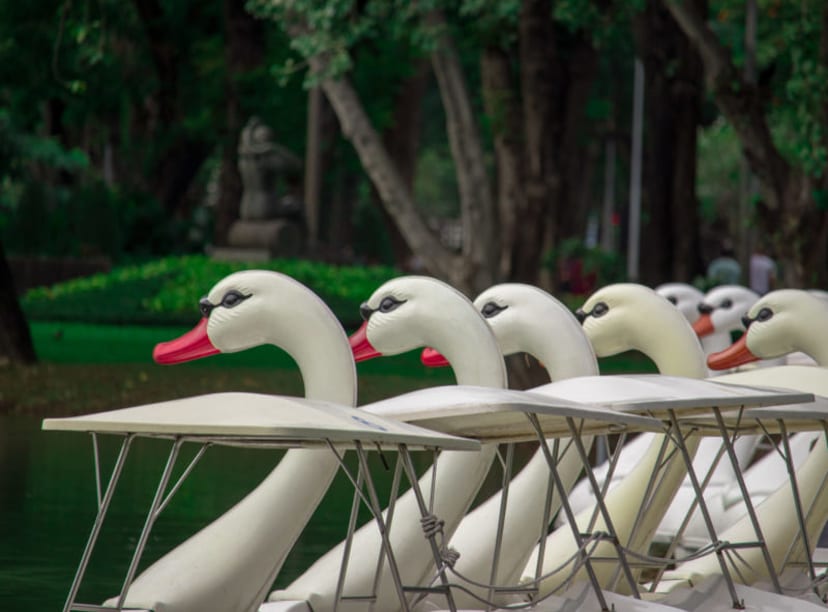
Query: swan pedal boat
pixel 279 422
pixel 654 395
pixel 267 421
pixel 240 419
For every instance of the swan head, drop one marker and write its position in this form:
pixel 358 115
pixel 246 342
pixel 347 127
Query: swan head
pixel 244 310
pixel 406 313
pixel 628 316
pixel 527 319
pixel 415 311
pixel 779 323
pixel 722 309
pixel 684 297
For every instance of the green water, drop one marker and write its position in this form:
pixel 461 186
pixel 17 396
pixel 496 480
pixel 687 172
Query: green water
pixel 48 503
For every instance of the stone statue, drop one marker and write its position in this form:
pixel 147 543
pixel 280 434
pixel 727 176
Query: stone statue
pixel 271 222
pixel 270 174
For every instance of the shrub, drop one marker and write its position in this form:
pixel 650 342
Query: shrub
pixel 166 291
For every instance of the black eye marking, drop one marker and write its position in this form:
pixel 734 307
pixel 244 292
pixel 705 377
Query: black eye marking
pixel 726 303
pixel 599 310
pixel 231 299
pixel 763 315
pixel 673 300
pixel 387 304
pixel 490 309
pixel 390 303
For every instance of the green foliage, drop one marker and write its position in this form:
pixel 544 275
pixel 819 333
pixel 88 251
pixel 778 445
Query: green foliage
pixel 595 263
pixel 719 165
pixel 167 291
pixel 790 74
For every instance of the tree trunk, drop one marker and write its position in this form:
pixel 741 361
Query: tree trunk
pixel 244 51
pixel 179 162
pixel 506 118
pixel 402 139
pixel 542 92
pixel 15 338
pixel 477 206
pixel 673 88
pixel 387 180
pixel 789 212
pixel 572 158
pixel 474 270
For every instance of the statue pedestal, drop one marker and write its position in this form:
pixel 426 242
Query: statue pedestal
pixel 261 240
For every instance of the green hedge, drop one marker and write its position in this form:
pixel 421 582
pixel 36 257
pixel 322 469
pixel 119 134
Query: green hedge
pixel 166 291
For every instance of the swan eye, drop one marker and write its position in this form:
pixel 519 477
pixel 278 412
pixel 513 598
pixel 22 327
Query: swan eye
pixel 491 309
pixel 673 300
pixel 726 303
pixel 205 307
pixel 233 298
pixel 389 303
pixel 599 310
pixel 764 314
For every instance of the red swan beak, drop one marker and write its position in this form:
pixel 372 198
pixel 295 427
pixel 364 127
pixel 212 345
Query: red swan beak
pixel 360 346
pixel 703 326
pixel 432 358
pixel 193 345
pixel 735 355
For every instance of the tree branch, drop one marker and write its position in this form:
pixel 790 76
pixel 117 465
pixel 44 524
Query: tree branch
pixel 378 165
pixel 738 100
pixel 476 201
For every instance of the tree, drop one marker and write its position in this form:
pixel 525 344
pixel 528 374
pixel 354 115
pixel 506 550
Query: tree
pixel 674 94
pixel 536 113
pixel 15 339
pixel 784 138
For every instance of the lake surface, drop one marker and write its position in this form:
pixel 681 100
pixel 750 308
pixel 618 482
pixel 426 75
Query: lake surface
pixel 48 504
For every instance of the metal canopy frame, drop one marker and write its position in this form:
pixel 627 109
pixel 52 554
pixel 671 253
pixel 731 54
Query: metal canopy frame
pixel 364 491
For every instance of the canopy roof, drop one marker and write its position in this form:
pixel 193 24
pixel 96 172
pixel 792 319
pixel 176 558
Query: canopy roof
pixel 496 415
pixel 258 419
pixel 656 394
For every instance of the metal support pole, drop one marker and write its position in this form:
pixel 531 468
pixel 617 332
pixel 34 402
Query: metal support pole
pixel 570 515
pixel 754 520
pixel 547 511
pixel 346 554
pixel 408 466
pixel 96 527
pixel 800 514
pixel 376 510
pixel 151 516
pixel 691 473
pixel 599 500
pixel 504 498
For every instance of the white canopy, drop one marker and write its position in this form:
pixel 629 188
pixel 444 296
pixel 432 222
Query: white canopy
pixel 258 419
pixel 498 415
pixel 655 394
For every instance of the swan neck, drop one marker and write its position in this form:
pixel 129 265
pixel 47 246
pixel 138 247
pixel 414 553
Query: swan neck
pixel 565 353
pixel 675 349
pixel 471 349
pixel 324 358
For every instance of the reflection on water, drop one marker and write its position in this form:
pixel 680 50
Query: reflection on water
pixel 48 503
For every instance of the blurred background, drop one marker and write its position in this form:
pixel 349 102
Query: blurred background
pixel 150 147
